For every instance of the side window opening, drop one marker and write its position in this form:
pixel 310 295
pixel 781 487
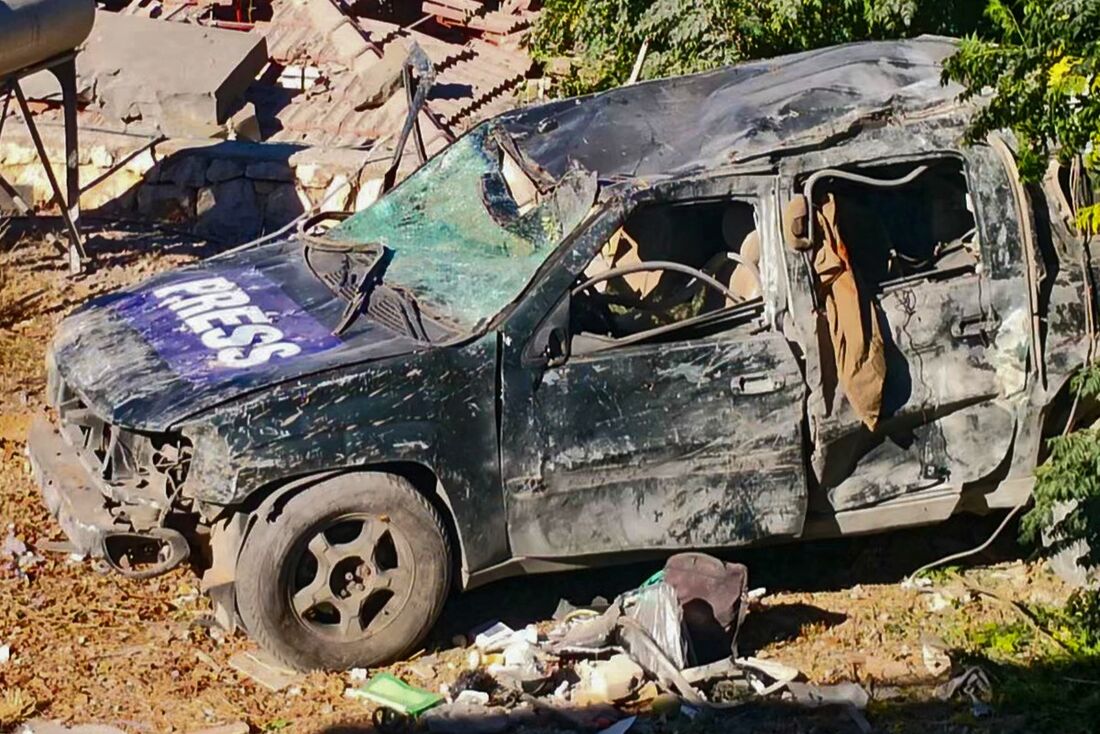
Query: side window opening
pixel 922 228
pixel 718 239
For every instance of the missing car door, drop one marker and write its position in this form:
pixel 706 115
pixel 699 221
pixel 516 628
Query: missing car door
pixel 909 236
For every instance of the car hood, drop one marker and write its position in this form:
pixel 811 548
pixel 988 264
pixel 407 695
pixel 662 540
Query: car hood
pixel 184 341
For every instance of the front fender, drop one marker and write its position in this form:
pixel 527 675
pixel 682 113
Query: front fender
pixel 435 409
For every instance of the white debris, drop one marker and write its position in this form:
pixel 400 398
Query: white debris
pixel 358 675
pixel 5 653
pixel 16 552
pixel 471 697
pixel 937 602
pixel 494 638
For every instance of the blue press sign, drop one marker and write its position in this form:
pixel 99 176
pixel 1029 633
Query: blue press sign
pixel 212 325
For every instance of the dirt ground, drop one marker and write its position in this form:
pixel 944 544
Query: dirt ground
pixel 88 646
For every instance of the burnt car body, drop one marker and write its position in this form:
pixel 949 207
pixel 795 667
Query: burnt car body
pixel 550 423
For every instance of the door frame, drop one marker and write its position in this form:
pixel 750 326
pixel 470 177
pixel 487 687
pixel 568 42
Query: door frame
pixel 519 332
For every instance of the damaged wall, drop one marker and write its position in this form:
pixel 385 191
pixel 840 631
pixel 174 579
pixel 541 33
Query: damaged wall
pixel 228 191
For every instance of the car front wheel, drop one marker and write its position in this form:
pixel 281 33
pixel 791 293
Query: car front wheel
pixel 351 572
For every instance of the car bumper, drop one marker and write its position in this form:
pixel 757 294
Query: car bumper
pixel 69 490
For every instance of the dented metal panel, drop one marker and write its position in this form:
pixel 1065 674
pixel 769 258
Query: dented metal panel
pixel 689 444
pixel 696 437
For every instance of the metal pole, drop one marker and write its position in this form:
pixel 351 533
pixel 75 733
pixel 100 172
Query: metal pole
pixel 76 246
pixel 7 188
pixel 66 77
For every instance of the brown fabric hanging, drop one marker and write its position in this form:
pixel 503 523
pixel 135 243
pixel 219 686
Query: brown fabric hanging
pixel 853 323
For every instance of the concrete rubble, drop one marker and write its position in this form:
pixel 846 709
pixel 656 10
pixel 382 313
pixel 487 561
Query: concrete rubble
pixel 261 115
pixel 192 96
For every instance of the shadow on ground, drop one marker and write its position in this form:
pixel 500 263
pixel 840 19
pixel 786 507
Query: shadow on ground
pixel 109 242
pixel 824 565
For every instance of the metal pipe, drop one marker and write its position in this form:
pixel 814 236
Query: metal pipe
pixel 32 31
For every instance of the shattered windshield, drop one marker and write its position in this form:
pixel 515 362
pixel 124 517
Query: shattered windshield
pixel 459 240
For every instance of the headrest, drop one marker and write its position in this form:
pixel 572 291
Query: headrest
pixel 750 248
pixel 796 224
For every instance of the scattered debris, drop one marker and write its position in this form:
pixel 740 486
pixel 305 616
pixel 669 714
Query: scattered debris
pixel 712 594
pixel 395 694
pixel 472 697
pixel 494 637
pixel 16 556
pixel 767 676
pixel 846 694
pixel 934 654
pixel 973 683
pixel 260 667
pixel 607 681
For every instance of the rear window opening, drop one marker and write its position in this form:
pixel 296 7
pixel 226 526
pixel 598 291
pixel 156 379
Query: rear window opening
pixel 898 233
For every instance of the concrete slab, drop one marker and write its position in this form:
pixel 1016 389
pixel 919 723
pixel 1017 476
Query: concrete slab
pixel 181 79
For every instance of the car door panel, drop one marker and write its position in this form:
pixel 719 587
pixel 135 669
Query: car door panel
pixel 690 444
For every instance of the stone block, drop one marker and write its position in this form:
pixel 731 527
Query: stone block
pixel 281 205
pixel 99 156
pixel 165 202
pixel 270 171
pixel 184 169
pixel 380 77
pixel 369 191
pixel 338 195
pixel 245 124
pixel 180 77
pixel 228 211
pixel 113 191
pixel 224 169
pixel 313 175
pixel 17 153
pixel 142 163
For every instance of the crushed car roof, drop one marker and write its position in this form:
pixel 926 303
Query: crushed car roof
pixel 685 124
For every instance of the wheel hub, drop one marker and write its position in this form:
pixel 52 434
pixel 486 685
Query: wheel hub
pixel 353 576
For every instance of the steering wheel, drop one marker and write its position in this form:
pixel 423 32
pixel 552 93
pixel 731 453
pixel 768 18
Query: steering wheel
pixel 699 275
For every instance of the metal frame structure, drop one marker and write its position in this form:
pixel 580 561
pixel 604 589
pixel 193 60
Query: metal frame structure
pixel 63 67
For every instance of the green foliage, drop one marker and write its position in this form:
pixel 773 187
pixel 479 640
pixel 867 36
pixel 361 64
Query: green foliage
pixel 1070 475
pixel 1039 73
pixel 1003 640
pixel 602 38
pixel 1069 481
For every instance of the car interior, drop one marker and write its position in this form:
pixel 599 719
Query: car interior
pixel 668 264
pixel 899 233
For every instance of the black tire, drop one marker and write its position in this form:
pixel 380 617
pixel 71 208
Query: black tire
pixel 284 616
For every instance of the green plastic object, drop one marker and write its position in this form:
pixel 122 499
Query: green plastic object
pixel 653 580
pixel 394 693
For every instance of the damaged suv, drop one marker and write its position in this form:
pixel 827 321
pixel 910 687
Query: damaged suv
pixel 780 300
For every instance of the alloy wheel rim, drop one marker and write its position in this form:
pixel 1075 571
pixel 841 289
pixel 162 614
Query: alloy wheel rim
pixel 352 577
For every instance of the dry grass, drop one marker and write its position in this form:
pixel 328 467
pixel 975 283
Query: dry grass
pixel 16 706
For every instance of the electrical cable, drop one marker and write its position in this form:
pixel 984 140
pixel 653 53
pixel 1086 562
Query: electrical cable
pixel 966 553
